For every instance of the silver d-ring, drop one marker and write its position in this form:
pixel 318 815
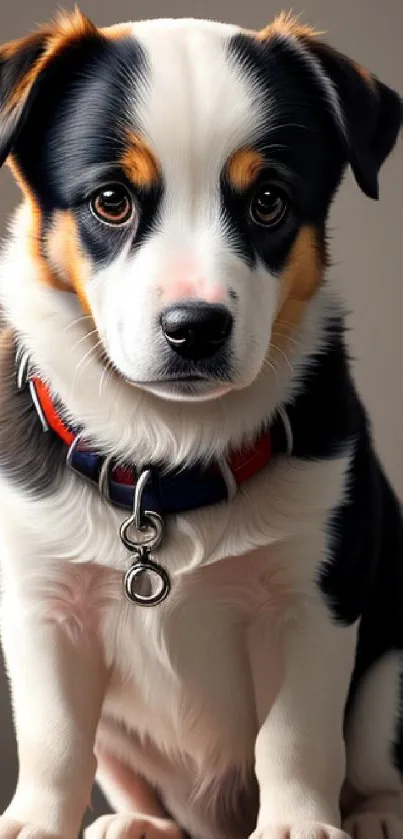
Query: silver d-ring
pixel 149 536
pixel 152 568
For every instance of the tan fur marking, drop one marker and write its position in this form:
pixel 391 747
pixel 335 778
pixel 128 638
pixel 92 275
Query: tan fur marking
pixel 300 279
pixel 35 243
pixel 65 254
pixel 74 24
pixel 286 23
pixel 12 48
pixel 117 31
pixel 66 28
pixel 139 163
pixel 243 168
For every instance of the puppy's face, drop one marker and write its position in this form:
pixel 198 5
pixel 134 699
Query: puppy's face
pixel 179 177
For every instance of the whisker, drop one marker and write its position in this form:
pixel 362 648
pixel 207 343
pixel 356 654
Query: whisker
pixel 268 363
pixel 285 323
pixel 76 321
pixel 85 360
pixel 88 354
pixel 83 338
pixel 106 374
pixel 283 355
pixel 287 337
pixel 103 379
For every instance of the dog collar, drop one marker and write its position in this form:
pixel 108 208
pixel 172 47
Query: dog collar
pixel 151 494
pixel 167 492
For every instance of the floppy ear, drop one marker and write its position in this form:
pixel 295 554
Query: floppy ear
pixel 371 111
pixel 22 65
pixel 366 113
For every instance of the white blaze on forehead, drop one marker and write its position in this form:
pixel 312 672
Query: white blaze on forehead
pixel 143 27
pixel 197 104
pixel 194 104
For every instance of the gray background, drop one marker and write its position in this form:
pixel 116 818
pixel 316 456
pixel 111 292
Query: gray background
pixel 367 237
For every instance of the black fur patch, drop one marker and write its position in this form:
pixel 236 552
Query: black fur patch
pixel 362 578
pixel 398 746
pixel 74 136
pixel 31 459
pixel 326 415
pixel 298 142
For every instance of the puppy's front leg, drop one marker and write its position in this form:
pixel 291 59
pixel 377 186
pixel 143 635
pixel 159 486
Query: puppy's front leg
pixel 299 752
pixel 58 682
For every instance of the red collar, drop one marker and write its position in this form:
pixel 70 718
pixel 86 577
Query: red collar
pixel 177 491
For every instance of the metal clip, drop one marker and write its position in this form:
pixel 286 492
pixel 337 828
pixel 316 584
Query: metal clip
pixel 23 375
pixel 22 367
pixel 158 584
pixel 141 534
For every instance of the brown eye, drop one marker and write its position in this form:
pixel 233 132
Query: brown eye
pixel 113 204
pixel 269 206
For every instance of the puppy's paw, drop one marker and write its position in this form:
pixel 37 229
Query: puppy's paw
pixel 12 829
pixel 307 830
pixel 374 826
pixel 132 826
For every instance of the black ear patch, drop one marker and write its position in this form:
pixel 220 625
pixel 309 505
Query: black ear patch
pixel 17 61
pixel 24 63
pixel 373 114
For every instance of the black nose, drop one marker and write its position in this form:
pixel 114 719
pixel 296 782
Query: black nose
pixel 196 330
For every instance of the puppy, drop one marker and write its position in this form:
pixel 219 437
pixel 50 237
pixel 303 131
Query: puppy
pixel 202 559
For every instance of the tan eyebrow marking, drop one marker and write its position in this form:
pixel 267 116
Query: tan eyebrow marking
pixel 243 168
pixel 139 163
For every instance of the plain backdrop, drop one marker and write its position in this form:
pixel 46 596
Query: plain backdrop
pixel 366 237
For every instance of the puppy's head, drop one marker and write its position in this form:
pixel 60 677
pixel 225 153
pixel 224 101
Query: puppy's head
pixel 179 175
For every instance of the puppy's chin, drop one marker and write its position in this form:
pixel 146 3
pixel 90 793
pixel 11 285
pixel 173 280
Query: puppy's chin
pixel 180 391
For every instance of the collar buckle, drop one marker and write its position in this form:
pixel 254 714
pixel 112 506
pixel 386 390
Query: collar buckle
pixel 146 583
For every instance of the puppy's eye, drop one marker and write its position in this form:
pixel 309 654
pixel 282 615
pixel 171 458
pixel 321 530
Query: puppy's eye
pixel 113 204
pixel 269 206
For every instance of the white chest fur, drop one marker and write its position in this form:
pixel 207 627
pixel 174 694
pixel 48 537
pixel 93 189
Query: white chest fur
pixel 234 567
